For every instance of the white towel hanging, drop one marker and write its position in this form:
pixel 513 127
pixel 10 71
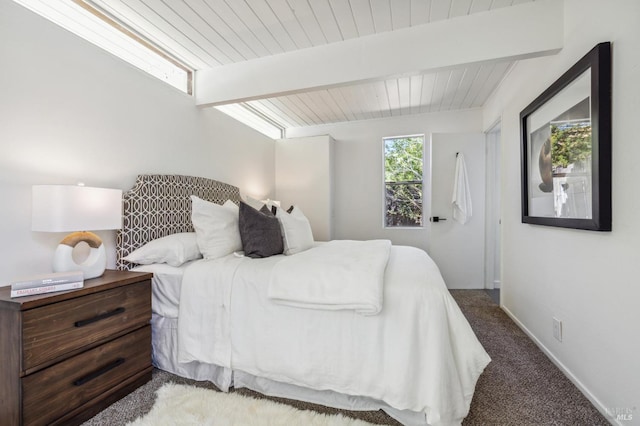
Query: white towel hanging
pixel 461 199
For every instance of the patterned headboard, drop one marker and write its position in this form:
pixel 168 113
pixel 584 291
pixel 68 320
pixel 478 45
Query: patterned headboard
pixel 160 205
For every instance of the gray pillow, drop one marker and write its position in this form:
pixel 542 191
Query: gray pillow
pixel 259 231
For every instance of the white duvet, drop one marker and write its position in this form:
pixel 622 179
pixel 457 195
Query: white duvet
pixel 419 353
pixel 340 274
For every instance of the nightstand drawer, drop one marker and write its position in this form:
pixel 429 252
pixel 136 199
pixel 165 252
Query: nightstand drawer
pixel 50 393
pixel 52 331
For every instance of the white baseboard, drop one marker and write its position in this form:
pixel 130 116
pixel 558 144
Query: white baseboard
pixel 595 401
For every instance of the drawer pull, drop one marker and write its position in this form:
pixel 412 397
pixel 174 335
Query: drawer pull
pixel 99 373
pixel 97 318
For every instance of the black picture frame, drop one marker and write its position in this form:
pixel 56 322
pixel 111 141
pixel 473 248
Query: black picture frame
pixel 566 148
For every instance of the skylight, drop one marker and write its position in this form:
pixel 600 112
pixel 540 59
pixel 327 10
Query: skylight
pixel 252 118
pixel 92 24
pixel 97 28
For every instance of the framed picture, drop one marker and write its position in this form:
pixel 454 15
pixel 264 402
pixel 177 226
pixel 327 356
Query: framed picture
pixel 566 148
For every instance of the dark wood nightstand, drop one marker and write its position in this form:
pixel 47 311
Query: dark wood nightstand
pixel 66 356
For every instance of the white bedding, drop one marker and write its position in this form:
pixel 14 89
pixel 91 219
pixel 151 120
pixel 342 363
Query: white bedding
pixel 419 353
pixel 340 274
pixel 166 287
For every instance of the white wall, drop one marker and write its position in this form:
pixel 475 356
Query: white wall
pixel 589 280
pixel 358 179
pixel 304 177
pixel 71 112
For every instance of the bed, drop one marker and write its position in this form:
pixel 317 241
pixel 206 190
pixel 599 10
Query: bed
pixel 413 355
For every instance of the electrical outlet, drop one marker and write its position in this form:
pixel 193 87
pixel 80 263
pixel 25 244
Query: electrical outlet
pixel 557 329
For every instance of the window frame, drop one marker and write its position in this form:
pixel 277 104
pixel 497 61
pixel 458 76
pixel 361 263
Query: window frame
pixel 384 181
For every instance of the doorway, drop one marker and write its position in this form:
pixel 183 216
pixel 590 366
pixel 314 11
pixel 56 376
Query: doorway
pixel 493 275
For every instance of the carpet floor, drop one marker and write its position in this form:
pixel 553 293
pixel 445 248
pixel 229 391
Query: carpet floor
pixel 520 386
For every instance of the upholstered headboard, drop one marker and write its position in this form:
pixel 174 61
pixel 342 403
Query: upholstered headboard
pixel 160 205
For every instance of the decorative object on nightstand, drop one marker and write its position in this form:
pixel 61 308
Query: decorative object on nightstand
pixel 66 356
pixel 70 208
pixel 47 283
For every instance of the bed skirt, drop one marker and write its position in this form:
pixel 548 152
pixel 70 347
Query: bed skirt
pixel 164 355
pixel 164 332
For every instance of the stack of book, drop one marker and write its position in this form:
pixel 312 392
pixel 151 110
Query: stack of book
pixel 47 283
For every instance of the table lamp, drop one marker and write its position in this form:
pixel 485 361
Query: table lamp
pixel 77 209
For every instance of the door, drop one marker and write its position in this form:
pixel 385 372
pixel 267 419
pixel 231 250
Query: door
pixel 458 249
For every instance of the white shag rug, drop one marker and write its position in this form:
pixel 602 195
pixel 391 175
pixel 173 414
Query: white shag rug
pixel 189 405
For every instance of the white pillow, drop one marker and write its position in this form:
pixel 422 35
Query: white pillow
pixel 216 227
pixel 173 250
pixel 271 203
pixel 296 231
pixel 257 204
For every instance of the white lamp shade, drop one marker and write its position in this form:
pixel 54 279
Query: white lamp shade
pixel 67 208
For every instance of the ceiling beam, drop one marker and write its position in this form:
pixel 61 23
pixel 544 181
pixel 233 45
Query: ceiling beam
pixel 510 33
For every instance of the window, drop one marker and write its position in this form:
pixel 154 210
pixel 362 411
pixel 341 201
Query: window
pixel 96 27
pixel 244 113
pixel 403 180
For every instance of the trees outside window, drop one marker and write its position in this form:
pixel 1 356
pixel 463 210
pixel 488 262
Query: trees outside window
pixel 403 179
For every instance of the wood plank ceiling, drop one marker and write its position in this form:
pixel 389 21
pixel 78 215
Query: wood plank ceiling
pixel 210 33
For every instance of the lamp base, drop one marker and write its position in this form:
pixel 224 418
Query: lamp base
pixel 93 266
